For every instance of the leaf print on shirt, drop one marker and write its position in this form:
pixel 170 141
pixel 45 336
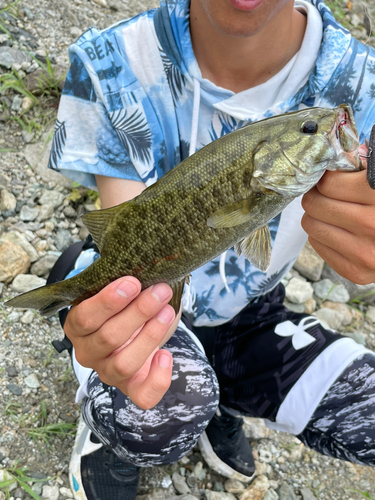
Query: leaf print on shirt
pixel 134 133
pixel 269 283
pixel 176 80
pixel 58 144
pixel 201 305
pixel 227 124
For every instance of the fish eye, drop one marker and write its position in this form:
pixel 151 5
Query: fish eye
pixel 309 127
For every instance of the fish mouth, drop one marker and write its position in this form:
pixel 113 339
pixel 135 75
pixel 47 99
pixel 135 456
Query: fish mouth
pixel 344 139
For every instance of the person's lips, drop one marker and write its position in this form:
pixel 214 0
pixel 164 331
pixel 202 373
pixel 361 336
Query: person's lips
pixel 245 4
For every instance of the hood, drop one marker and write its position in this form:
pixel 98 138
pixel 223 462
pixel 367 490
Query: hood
pixel 172 28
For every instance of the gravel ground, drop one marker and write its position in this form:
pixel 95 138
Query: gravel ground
pixel 39 212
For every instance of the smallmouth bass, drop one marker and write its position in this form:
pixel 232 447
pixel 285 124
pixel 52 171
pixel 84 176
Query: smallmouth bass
pixel 222 196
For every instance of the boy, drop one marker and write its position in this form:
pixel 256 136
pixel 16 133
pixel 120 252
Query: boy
pixel 138 99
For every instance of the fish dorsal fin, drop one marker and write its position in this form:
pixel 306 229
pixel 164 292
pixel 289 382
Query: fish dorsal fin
pixel 97 223
pixel 257 248
pixel 233 214
pixel 178 289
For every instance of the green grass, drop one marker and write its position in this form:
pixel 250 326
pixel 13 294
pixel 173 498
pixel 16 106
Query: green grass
pixel 37 427
pixel 364 494
pixel 19 475
pixel 11 10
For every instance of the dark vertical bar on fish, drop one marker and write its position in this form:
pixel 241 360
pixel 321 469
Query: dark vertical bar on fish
pixel 371 160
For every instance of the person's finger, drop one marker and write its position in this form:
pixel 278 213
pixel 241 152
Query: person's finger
pixel 150 391
pixel 92 313
pixel 347 186
pixel 129 358
pixel 349 269
pixel 354 217
pixel 331 241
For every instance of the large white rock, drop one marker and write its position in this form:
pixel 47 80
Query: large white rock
pixel 26 282
pixel 298 291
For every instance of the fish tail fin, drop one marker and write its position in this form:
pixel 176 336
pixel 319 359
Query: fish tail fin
pixel 48 299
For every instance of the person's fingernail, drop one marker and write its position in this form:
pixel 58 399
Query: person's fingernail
pixel 164 361
pixel 160 292
pixel 127 289
pixel 165 316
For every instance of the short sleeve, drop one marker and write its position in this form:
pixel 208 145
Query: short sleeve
pixel 85 141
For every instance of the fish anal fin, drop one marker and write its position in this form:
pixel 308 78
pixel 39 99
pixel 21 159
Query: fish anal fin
pixel 257 248
pixel 97 223
pixel 233 214
pixel 178 288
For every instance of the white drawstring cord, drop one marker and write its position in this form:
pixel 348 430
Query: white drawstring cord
pixel 195 119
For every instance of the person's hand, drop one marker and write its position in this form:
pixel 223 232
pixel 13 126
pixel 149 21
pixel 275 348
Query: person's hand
pixel 340 221
pixel 118 331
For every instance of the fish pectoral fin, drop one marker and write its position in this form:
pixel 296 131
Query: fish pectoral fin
pixel 257 248
pixel 233 214
pixel 178 289
pixel 97 223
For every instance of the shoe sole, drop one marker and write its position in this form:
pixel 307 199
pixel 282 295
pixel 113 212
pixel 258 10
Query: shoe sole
pixel 82 446
pixel 214 462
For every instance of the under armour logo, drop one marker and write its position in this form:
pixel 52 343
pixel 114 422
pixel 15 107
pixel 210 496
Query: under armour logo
pixel 300 338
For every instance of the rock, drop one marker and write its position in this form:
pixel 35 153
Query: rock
pixel 13 261
pixel 27 102
pixel 297 308
pixel 63 239
pixel 27 318
pixel 70 212
pixel 37 79
pixel 11 371
pixel 331 317
pixel 32 381
pixel 366 293
pixel 27 137
pixel 26 282
pixel 309 306
pixel 309 264
pixel 28 214
pixel 265 456
pixel 298 291
pixel 370 314
pixel 219 495
pixel 179 483
pixel 199 472
pixel 257 489
pixel 307 494
pixel 255 428
pixel 5 476
pixel 286 492
pixel 44 265
pixel 344 311
pixel 17 103
pixel 21 240
pixel 37 155
pixel 8 201
pixel 335 292
pixel 51 197
pixel 10 55
pixel 14 389
pixel 50 492
pixel 66 492
pixel 102 3
pixel 234 486
pixel 271 495
pixel 295 454
pixel 45 211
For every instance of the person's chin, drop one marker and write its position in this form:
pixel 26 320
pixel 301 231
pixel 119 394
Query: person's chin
pixel 246 5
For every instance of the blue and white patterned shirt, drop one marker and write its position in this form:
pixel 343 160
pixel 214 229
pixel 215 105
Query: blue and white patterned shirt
pixel 126 111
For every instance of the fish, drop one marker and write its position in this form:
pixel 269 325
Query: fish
pixel 222 196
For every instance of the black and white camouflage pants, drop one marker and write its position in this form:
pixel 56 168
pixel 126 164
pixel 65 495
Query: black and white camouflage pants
pixel 269 362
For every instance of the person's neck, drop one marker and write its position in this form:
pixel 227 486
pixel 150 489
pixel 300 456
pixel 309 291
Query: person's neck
pixel 237 63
